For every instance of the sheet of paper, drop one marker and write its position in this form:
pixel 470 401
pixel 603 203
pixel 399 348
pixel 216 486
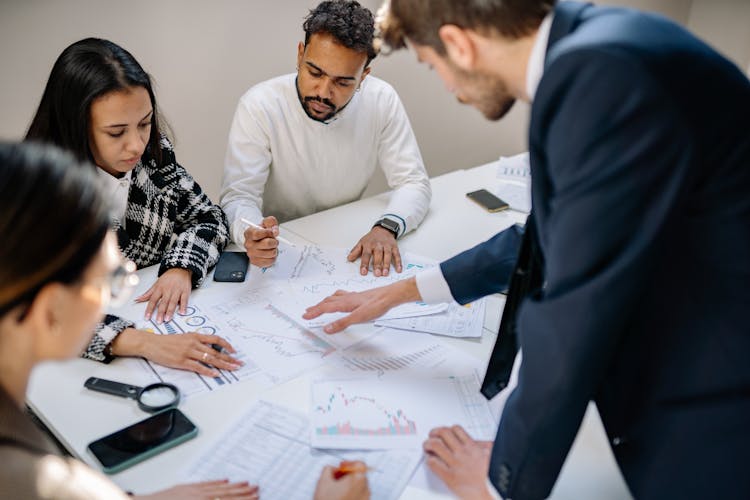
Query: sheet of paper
pixel 514 176
pixel 456 321
pixel 269 446
pixel 395 412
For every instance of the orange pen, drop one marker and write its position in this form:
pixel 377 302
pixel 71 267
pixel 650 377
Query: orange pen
pixel 346 467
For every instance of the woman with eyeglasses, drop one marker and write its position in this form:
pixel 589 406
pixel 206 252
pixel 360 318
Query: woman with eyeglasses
pixel 58 264
pixel 99 104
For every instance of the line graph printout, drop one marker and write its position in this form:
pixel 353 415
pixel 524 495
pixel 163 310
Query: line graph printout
pixel 305 261
pixel 396 352
pixel 456 321
pixel 269 446
pixel 395 412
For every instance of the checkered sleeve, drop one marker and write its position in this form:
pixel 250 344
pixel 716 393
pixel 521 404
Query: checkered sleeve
pixel 105 333
pixel 201 228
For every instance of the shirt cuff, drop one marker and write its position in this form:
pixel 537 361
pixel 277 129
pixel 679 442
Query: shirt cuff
pixel 493 492
pixel 432 286
pixel 238 232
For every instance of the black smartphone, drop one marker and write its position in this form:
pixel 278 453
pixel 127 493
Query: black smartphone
pixel 487 200
pixel 142 440
pixel 232 266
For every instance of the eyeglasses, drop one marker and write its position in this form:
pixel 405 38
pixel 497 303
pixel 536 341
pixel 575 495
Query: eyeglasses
pixel 120 284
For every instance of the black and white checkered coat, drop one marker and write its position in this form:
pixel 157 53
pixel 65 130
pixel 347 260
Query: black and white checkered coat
pixel 169 221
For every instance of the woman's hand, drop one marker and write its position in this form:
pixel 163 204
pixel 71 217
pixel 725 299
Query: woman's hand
pixel 172 289
pixel 208 490
pixel 187 351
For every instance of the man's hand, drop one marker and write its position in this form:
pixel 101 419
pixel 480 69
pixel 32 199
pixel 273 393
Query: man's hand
pixel 459 461
pixel 172 289
pixel 207 490
pixel 187 351
pixel 378 246
pixel 364 306
pixel 350 487
pixel 261 245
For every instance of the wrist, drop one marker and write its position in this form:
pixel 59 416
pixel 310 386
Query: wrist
pixel 130 342
pixel 406 291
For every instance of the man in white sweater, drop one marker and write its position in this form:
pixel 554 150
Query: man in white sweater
pixel 306 142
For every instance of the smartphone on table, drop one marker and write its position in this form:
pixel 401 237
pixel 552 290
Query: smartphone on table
pixel 487 200
pixel 232 266
pixel 142 440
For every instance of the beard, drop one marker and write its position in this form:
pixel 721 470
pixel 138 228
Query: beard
pixel 489 95
pixel 306 101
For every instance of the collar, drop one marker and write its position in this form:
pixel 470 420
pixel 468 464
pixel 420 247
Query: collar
pixel 110 181
pixel 18 430
pixel 535 69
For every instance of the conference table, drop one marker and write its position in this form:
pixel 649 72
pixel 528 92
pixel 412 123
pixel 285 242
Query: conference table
pixel 454 223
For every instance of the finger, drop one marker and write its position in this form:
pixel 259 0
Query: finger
pixel 269 222
pixel 364 267
pixel 260 262
pixel 355 253
pixel 437 466
pixel 161 309
pixel 172 303
pixel 184 297
pixel 397 259
pixel 216 340
pixel 198 367
pixel 145 296
pixel 377 260
pixel 387 262
pixel 257 234
pixel 461 435
pixel 267 244
pixel 438 448
pixel 328 305
pixel 221 360
pixel 153 301
pixel 344 323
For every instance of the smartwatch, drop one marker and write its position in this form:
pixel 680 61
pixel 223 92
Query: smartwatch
pixel 388 224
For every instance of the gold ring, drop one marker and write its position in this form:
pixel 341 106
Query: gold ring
pixel 204 358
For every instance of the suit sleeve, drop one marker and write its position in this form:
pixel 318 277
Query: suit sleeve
pixel 201 229
pixel 484 269
pixel 617 157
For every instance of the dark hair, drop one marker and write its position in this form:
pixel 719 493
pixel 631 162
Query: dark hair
pixel 420 20
pixel 86 70
pixel 347 21
pixel 52 220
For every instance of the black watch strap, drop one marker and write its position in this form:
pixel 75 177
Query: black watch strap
pixel 388 224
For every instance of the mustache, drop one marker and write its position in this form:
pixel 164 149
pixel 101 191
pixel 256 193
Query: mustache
pixel 322 100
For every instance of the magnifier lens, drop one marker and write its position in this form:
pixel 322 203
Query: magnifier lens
pixel 158 397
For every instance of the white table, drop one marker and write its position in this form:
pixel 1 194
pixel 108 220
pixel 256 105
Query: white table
pixel 57 396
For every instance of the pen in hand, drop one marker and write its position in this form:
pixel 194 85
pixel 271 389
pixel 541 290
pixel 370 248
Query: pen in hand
pixel 346 467
pixel 256 226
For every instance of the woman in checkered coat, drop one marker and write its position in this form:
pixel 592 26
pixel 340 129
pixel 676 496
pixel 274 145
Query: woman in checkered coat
pixel 100 105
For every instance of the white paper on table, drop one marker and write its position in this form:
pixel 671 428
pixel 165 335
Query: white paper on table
pixel 514 176
pixel 268 446
pixel 395 412
pixel 456 321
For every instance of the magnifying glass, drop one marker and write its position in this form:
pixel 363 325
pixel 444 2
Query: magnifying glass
pixel 152 398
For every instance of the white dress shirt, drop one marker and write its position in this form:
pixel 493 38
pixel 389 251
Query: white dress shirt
pixel 431 283
pixel 280 162
pixel 116 191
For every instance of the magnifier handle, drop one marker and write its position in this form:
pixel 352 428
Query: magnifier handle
pixel 112 387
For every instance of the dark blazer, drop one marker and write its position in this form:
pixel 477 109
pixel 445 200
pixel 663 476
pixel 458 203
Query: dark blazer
pixel 169 221
pixel 640 160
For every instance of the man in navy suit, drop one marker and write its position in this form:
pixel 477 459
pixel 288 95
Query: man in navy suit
pixel 633 282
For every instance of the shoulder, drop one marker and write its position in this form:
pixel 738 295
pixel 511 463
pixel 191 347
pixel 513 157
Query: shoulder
pixel 379 94
pixel 269 92
pixel 26 474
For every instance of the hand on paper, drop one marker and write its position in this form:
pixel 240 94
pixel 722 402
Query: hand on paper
pixel 186 351
pixel 349 487
pixel 171 290
pixel 378 247
pixel 206 491
pixel 261 244
pixel 461 462
pixel 364 306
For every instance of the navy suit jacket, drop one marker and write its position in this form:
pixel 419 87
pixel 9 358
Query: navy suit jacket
pixel 640 161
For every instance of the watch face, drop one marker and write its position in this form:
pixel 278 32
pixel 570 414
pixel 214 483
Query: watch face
pixel 389 225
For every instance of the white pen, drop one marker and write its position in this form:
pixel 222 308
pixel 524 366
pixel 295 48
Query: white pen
pixel 256 226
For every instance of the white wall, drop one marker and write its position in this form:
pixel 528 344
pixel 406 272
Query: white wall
pixel 204 55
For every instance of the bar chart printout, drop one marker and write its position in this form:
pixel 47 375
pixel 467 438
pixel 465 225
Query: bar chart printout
pixel 269 447
pixel 395 412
